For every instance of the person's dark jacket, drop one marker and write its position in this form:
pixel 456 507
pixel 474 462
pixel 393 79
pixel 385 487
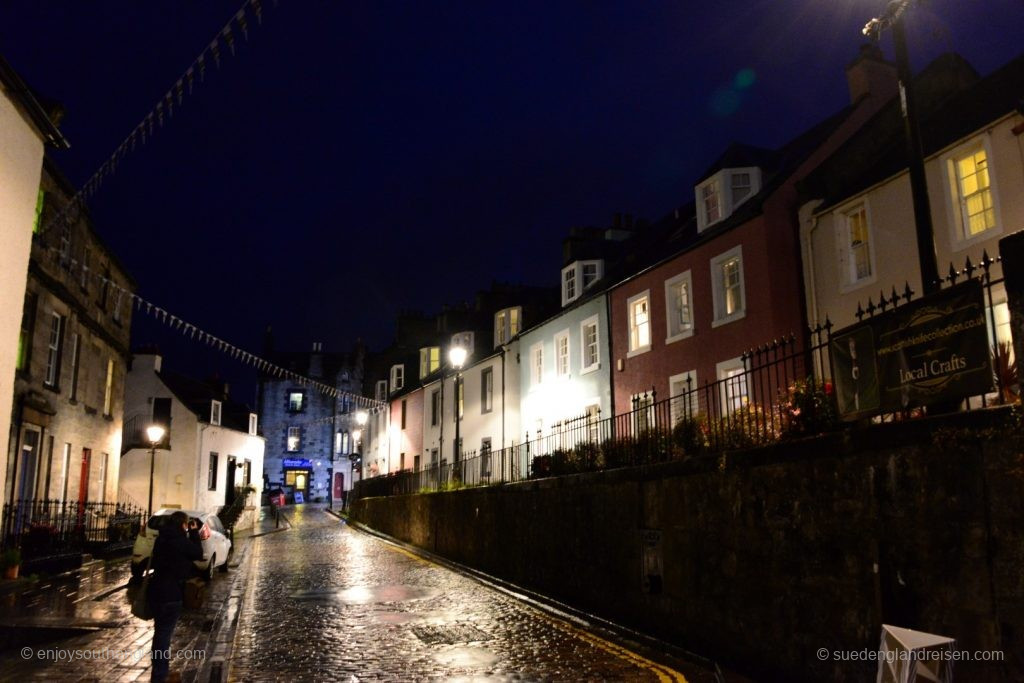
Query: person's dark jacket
pixel 173 554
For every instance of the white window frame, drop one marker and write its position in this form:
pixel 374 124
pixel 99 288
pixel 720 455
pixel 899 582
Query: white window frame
pixel 301 401
pixel 506 325
pixel 465 340
pixel 570 280
pixel 215 412
pixel 591 321
pixel 724 371
pixel 563 355
pixel 681 405
pixel 598 266
pixel 53 349
pixel 635 347
pixel 959 240
pixel 684 331
pixel 718 287
pixel 430 360
pixel 641 410
pixel 722 180
pixel 576 271
pixel 847 265
pixel 397 376
pixel 381 390
pixel 253 424
pixel 294 440
pixel 537 364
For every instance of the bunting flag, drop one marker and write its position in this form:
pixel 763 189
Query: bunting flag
pixel 143 132
pixel 177 323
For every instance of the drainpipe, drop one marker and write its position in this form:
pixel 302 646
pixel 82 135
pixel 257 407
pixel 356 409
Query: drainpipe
pixel 611 361
pixel 503 351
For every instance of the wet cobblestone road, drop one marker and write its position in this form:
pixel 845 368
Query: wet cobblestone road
pixel 326 602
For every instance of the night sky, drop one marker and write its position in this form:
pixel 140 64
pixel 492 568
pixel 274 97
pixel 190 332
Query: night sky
pixel 359 158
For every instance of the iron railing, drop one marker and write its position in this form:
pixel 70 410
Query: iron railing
pixel 783 391
pixel 49 528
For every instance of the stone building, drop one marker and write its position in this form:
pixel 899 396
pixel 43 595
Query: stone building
pixel 71 363
pixel 310 434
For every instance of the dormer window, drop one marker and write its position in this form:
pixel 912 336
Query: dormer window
pixel 720 195
pixel 215 412
pixel 253 419
pixel 578 277
pixel 397 377
pixel 430 360
pixel 381 390
pixel 506 324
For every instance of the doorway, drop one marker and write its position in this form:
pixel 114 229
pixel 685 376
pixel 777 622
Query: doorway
pixel 29 462
pixel 83 482
pixel 229 490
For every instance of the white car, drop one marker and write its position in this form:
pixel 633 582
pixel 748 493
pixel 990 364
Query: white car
pixel 216 546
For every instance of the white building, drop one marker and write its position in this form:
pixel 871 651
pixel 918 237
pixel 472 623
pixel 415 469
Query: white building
pixel 24 130
pixel 213 451
pixel 857 232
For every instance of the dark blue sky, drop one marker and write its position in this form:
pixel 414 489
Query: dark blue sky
pixel 361 157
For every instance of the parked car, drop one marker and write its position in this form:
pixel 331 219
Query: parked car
pixel 216 545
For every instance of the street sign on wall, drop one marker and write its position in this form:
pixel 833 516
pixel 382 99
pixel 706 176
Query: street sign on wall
pixel 296 463
pixel 932 350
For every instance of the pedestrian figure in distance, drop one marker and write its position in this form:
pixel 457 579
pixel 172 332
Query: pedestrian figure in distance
pixel 174 551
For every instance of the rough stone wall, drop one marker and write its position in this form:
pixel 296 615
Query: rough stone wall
pixel 767 555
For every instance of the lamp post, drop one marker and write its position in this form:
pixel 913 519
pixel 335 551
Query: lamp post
pixel 927 261
pixel 155 434
pixel 357 434
pixel 457 357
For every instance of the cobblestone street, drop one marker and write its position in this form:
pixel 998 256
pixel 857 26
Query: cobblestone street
pixel 326 602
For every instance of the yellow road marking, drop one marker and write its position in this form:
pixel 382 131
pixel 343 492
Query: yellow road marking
pixel 664 673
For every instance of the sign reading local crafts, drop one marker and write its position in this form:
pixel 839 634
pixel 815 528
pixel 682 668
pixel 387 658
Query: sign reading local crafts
pixel 935 349
pixel 296 463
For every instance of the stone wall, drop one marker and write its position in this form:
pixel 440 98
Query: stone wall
pixel 767 556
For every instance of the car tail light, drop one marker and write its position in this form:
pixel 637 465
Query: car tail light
pixel 204 532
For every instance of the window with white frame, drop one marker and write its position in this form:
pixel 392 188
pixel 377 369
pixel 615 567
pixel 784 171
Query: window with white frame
pixel 465 340
pixel 397 377
pixel 215 412
pixel 734 390
pixel 593 419
pixel 970 184
pixel 487 390
pixel 718 196
pixel 537 363
pixel 590 350
pixel 562 354
pixel 506 325
pixel 430 360
pixel 294 442
pixel 642 405
pixel 381 390
pixel 253 423
pixel 296 401
pixel 679 307
pixel 727 286
pixel 682 391
pixel 53 349
pixel 856 250
pixel 579 276
pixel 638 312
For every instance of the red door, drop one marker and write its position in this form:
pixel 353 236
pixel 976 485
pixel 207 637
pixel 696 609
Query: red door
pixel 83 482
pixel 339 485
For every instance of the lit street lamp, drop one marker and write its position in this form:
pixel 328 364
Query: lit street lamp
pixel 155 434
pixel 457 357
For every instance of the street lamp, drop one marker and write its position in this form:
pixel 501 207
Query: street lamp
pixel 155 434
pixel 457 357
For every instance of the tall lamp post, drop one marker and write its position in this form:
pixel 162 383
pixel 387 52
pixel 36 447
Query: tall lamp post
pixel 457 357
pixel 155 434
pixel 357 435
pixel 927 260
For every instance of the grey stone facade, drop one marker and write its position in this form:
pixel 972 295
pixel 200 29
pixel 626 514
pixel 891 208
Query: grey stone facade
pixel 65 441
pixel 310 439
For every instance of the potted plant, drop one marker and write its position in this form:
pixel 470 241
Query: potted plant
pixel 10 561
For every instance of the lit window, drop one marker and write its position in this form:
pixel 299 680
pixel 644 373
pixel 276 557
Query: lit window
pixel 858 244
pixel 499 328
pixel 679 312
pixel 513 324
pixel 506 325
pixel 589 342
pixel 639 323
pixel 430 360
pixel 294 439
pixel 973 190
pixel 295 401
pixel 727 282
pixel 733 377
pixel 643 412
pixel 682 389
pixel 562 354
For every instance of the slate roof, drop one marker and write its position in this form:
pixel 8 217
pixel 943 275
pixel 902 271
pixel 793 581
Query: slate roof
pixel 196 396
pixel 952 102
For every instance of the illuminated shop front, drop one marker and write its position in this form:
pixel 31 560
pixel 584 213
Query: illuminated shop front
pixel 298 472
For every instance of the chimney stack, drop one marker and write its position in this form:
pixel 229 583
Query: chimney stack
pixel 870 75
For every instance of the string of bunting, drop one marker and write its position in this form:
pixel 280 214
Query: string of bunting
pixel 194 332
pixel 238 24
